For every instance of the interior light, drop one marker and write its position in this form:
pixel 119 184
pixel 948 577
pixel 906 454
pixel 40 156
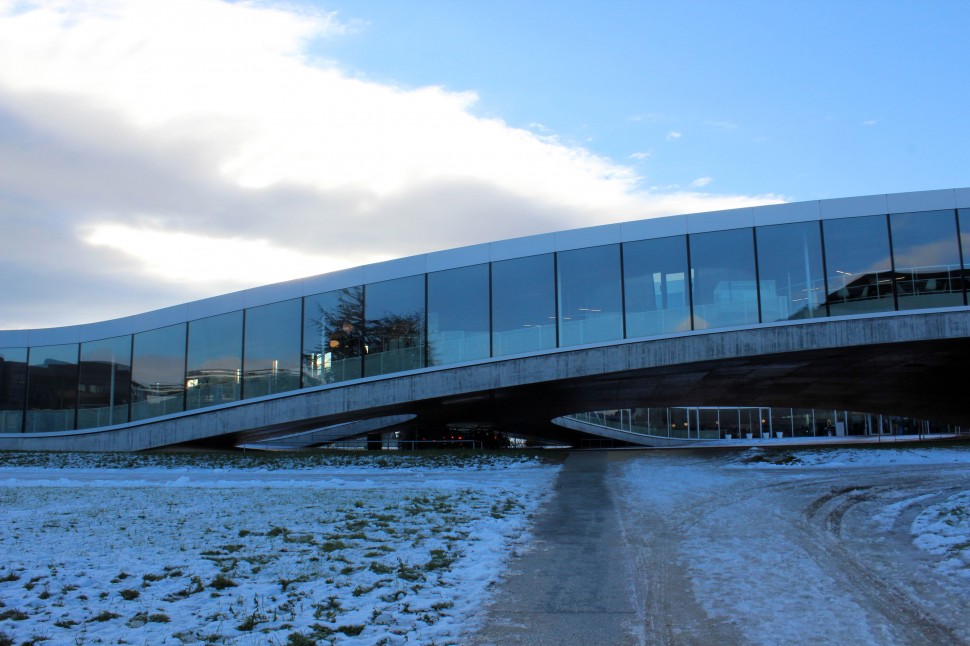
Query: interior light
pixel 334 343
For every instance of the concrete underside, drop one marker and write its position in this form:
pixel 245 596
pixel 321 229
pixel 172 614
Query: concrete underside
pixel 901 364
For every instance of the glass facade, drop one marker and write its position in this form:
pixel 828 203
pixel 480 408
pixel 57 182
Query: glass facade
pixel 724 285
pixel 458 315
pixel 333 336
pixel 51 388
pixel 524 305
pixel 790 271
pixel 926 254
pixel 213 373
pixel 13 389
pixel 158 372
pixel 103 391
pixel 394 326
pixel 656 287
pixel 271 361
pixel 590 295
pixel 640 288
pixel 859 266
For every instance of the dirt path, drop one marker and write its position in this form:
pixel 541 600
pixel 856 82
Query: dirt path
pixel 682 548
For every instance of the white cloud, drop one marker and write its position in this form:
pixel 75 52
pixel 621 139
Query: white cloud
pixel 641 155
pixel 152 135
pixel 870 122
pixel 701 182
pixel 673 134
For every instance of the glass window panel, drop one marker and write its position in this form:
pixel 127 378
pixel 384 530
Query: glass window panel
pixel 523 305
pixel 927 259
pixel 13 389
pixel 723 282
pixel 213 373
pixel 655 281
pixel 333 333
pixel 963 216
pixel 790 271
pixel 590 295
pixel 857 264
pixel 271 359
pixel 458 316
pixel 158 372
pixel 394 326
pixel 51 388
pixel 104 391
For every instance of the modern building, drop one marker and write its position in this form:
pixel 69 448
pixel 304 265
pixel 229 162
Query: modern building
pixel 813 305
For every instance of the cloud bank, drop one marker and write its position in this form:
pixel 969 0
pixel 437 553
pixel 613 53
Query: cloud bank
pixel 156 152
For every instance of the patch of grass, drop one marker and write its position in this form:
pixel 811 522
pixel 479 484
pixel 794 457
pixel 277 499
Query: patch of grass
pixel 442 605
pixel 351 630
pixel 150 578
pixel 285 583
pixel 299 639
pixel 379 568
pixel 194 586
pixel 221 582
pixel 440 560
pixel 251 622
pixel 68 588
pixel 278 531
pixel 104 615
pixel 244 532
pixel 303 539
pixel 408 572
pixel 333 545
pixel 159 618
pixel 129 594
pixel 10 576
pixel 65 623
pixel 13 614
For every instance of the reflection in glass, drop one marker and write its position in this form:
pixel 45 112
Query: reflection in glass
pixel 158 372
pixel 333 336
pixel 458 315
pixel 104 391
pixel 271 359
pixel 523 305
pixel 858 267
pixel 394 326
pixel 723 284
pixel 926 257
pixel 13 389
pixel 790 271
pixel 963 217
pixel 51 388
pixel 655 280
pixel 213 373
pixel 590 295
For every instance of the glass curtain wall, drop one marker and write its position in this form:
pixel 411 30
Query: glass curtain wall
pixel 790 271
pixel 858 265
pixel 13 389
pixel 158 372
pixel 394 337
pixel 458 315
pixel 333 336
pixel 271 357
pixel 963 219
pixel 590 295
pixel 656 287
pixel 213 373
pixel 51 388
pixel 926 256
pixel 523 305
pixel 723 278
pixel 104 391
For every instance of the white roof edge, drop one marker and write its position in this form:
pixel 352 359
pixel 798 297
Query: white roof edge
pixel 646 228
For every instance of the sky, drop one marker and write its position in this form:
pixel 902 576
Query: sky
pixel 154 152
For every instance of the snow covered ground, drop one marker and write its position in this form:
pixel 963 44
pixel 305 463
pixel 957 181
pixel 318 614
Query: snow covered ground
pixel 255 549
pixel 864 545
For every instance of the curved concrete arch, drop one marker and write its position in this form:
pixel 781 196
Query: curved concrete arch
pixel 907 364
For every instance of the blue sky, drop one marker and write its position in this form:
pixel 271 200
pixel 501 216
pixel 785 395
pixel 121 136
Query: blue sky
pixel 805 99
pixel 159 151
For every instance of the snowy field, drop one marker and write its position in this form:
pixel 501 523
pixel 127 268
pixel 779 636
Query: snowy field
pixel 864 545
pixel 255 549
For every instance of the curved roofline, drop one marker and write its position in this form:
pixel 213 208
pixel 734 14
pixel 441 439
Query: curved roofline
pixel 658 227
